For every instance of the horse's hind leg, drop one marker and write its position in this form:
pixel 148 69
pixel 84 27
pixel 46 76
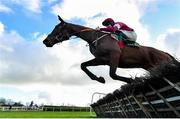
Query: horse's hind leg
pixel 114 62
pixel 93 62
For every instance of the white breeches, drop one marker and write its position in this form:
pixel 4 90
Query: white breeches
pixel 132 36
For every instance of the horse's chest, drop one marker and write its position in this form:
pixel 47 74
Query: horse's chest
pixel 98 51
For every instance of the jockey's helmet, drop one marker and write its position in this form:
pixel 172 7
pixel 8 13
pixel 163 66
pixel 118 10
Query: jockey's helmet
pixel 108 21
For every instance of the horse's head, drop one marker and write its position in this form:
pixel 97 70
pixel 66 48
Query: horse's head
pixel 59 34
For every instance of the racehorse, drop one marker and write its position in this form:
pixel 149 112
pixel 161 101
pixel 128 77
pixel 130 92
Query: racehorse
pixel 107 51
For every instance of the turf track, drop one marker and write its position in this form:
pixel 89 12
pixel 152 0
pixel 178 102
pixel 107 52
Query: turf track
pixel 24 114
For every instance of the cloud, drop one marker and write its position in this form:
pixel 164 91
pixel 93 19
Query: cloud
pixel 1 28
pixel 57 94
pixel 52 1
pixel 169 42
pixel 33 6
pixel 44 97
pixel 4 8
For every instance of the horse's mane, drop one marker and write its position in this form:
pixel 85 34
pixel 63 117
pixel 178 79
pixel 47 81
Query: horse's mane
pixel 85 27
pixel 81 26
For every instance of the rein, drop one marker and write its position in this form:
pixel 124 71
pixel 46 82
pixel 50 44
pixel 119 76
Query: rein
pixel 89 29
pixel 95 41
pixel 84 30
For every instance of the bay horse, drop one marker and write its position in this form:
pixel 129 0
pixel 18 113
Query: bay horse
pixel 107 51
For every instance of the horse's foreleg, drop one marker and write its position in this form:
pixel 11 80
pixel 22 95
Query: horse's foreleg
pixel 93 62
pixel 114 62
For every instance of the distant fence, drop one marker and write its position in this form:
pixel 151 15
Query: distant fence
pixel 18 108
pixel 156 96
pixel 65 108
pixel 46 108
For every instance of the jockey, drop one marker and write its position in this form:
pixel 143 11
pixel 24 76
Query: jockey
pixel 123 31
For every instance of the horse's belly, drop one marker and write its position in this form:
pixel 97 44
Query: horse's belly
pixel 131 59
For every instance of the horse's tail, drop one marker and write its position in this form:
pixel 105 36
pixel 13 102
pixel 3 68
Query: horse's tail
pixel 167 67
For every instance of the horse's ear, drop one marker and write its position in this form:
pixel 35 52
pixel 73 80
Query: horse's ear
pixel 60 19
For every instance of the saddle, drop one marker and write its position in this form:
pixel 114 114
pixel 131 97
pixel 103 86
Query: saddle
pixel 123 42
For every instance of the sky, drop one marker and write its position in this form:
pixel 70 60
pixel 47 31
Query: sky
pixel 30 71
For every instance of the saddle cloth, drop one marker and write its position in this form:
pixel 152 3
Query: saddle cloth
pixel 123 43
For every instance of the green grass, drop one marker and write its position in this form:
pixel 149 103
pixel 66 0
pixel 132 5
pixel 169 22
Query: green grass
pixel 18 114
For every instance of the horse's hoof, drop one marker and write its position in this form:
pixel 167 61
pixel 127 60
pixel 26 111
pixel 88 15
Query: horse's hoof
pixel 101 80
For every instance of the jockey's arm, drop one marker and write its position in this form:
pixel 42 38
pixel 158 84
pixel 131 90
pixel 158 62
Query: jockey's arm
pixel 109 29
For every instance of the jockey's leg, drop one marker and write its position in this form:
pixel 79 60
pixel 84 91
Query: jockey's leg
pixel 114 62
pixel 93 62
pixel 122 36
pixel 131 36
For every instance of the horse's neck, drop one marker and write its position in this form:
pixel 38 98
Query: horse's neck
pixel 84 33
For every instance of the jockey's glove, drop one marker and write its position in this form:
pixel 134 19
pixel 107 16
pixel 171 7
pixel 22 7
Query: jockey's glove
pixel 98 28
